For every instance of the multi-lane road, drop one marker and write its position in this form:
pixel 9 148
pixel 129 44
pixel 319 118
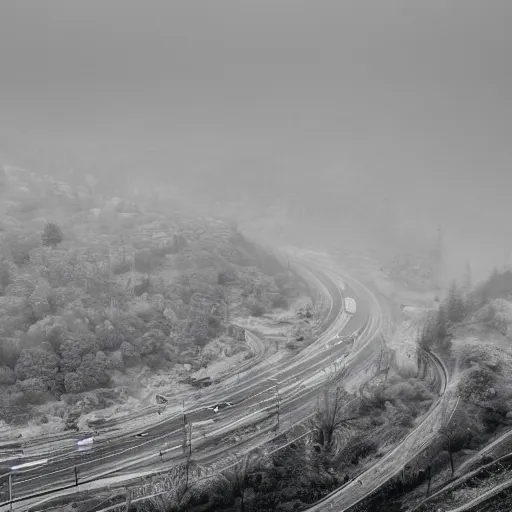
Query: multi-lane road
pixel 288 385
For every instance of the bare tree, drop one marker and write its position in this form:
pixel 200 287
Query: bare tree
pixel 453 430
pixel 427 459
pixel 226 298
pixel 331 417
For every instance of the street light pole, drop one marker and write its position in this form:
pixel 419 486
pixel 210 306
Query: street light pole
pixel 190 439
pixel 278 405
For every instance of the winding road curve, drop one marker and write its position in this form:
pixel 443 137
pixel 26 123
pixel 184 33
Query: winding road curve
pixel 299 378
pixel 394 461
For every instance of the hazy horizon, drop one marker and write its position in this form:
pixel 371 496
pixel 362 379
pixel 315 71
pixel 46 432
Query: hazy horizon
pixel 405 101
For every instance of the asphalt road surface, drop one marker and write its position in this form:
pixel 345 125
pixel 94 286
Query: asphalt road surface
pixel 291 385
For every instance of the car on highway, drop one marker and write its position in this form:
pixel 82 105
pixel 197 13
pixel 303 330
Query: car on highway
pixel 350 305
pixel 220 407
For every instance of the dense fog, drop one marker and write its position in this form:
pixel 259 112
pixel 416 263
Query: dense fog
pixel 363 117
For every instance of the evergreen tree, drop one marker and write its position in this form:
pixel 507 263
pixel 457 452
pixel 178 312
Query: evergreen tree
pixel 52 235
pixel 441 327
pixel 455 310
pixel 427 333
pixel 487 290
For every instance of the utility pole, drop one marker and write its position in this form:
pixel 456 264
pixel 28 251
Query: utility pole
pixel 187 448
pixel 190 439
pixel 278 405
pixel 76 476
pixel 187 437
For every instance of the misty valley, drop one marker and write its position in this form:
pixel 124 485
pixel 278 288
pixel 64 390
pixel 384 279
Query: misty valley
pixel 255 256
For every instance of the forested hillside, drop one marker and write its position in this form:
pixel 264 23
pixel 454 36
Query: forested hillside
pixel 93 292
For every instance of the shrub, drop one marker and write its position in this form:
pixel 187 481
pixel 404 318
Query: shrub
pixel 115 361
pixel 108 340
pixel 154 361
pixel 141 288
pixel 151 342
pixel 214 327
pixel 359 448
pixel 130 355
pixel 6 275
pixel 225 277
pixel 73 383
pixel 378 399
pixel 73 350
pixel 92 371
pixel 257 310
pixel 280 301
pixel 412 390
pixel 122 267
pixel 37 363
pixel 200 340
pixel 474 383
pixel 34 390
pixel 405 419
pixel 147 260
pixel 492 419
pixel 143 310
pixel 20 246
pixel 9 352
pixel 55 336
pixel 6 376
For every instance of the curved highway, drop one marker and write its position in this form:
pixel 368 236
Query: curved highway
pixel 288 385
pixel 392 463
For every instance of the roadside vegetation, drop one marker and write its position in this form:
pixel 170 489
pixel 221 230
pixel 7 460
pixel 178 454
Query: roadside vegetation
pixel 346 434
pixel 471 329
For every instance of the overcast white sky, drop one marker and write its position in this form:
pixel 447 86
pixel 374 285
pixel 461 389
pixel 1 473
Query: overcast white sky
pixel 414 94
